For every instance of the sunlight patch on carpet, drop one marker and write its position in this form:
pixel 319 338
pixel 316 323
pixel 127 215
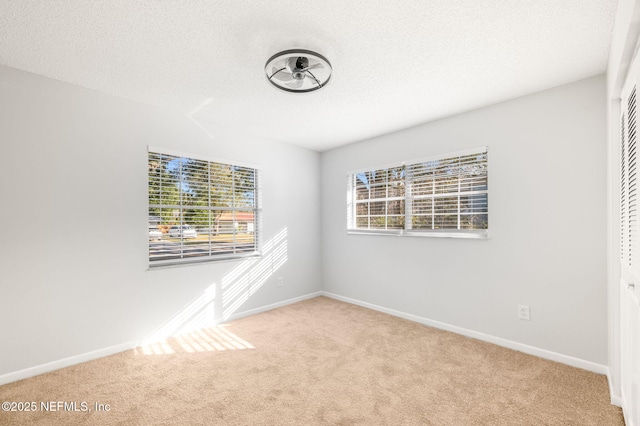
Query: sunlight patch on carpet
pixel 208 339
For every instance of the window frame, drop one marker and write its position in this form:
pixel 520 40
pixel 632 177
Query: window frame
pixel 256 209
pixel 407 230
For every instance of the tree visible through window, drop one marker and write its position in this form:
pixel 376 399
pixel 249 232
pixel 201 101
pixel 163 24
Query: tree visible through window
pixel 445 195
pixel 200 209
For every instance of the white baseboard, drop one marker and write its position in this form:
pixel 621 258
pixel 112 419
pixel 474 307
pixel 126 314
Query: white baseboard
pixel 273 306
pixel 65 362
pixel 77 359
pixel 521 347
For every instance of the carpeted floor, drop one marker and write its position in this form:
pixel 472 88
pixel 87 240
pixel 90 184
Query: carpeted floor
pixel 317 362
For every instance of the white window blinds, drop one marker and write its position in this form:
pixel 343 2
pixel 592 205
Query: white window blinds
pixel 379 198
pixel 444 196
pixel 200 209
pixel 449 193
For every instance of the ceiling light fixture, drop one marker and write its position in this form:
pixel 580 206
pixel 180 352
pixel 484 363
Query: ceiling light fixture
pixel 298 70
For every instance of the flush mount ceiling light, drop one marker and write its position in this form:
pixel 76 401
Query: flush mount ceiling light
pixel 298 70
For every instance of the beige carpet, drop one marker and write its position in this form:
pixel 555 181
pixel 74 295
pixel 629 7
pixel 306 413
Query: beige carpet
pixel 318 362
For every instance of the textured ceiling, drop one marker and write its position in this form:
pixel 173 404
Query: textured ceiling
pixel 396 64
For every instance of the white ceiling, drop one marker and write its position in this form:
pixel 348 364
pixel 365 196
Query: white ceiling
pixel 396 63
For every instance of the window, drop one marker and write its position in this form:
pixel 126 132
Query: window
pixel 439 196
pixel 200 210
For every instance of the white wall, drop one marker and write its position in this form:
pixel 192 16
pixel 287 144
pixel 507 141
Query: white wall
pixel 547 245
pixel 73 220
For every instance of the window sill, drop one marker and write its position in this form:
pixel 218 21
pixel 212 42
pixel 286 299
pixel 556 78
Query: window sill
pixel 481 234
pixel 159 264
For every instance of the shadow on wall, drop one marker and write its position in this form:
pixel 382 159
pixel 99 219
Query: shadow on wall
pixel 245 279
pixel 193 328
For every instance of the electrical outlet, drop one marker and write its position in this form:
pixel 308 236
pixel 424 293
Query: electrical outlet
pixel 524 313
pixel 280 282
